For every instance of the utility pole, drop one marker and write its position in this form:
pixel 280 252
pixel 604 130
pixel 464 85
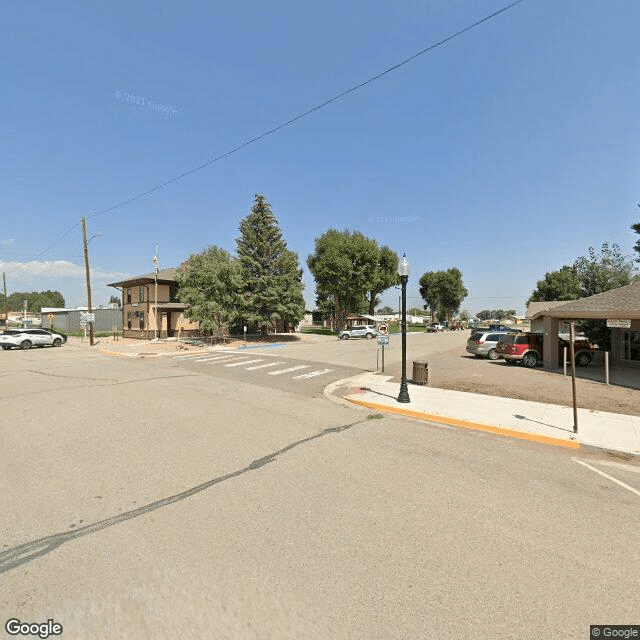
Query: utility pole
pixel 155 311
pixel 6 301
pixel 86 266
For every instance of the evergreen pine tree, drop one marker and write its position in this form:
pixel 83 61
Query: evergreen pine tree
pixel 272 279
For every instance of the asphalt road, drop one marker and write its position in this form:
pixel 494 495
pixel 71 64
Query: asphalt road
pixel 147 498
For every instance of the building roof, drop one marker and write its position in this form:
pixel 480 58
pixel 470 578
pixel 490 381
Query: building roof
pixel 534 308
pixel 166 276
pixel 617 304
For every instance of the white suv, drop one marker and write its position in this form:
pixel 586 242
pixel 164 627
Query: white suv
pixel 27 338
pixel 367 331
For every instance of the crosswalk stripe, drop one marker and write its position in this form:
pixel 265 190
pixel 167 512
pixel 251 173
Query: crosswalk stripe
pixel 237 364
pixel 213 359
pixel 190 355
pixel 277 373
pixel 262 366
pixel 313 374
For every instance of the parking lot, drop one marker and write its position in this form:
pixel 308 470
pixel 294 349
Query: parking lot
pixel 451 367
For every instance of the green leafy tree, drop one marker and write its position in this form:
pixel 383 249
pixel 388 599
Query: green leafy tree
pixel 636 247
pixel 385 275
pixel 115 300
pixel 35 300
pixel 598 273
pixel 386 311
pixel 430 291
pixel 484 315
pixel 563 284
pixel 602 272
pixel 443 292
pixel 452 291
pixel 210 283
pixel 344 266
pixel 271 276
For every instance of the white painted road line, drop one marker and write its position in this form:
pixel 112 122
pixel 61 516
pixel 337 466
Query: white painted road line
pixel 313 374
pixel 277 373
pixel 606 475
pixel 190 355
pixel 213 359
pixel 237 364
pixel 262 366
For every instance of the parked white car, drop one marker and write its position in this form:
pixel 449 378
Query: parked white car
pixel 367 331
pixel 27 338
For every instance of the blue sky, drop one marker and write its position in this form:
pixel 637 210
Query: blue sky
pixel 506 152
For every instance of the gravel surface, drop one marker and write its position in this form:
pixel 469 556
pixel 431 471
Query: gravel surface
pixel 451 367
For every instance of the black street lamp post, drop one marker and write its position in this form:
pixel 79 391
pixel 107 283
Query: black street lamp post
pixel 403 272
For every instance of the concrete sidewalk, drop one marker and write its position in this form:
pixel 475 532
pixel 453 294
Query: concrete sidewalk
pixel 535 421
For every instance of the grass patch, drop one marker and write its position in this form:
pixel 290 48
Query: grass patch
pixel 394 327
pixel 322 331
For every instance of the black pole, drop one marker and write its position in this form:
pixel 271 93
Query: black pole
pixel 572 350
pixel 404 391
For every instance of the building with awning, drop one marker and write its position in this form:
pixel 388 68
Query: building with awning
pixel 147 315
pixel 620 308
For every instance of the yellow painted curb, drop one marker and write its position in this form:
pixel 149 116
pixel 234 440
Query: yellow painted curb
pixel 465 424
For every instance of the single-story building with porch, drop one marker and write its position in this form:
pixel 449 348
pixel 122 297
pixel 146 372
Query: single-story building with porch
pixel 619 307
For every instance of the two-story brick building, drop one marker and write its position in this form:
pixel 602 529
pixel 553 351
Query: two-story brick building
pixel 141 318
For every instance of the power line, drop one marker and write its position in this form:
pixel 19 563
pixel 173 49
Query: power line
pixel 287 123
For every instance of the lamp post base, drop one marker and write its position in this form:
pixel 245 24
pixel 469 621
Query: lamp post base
pixel 404 393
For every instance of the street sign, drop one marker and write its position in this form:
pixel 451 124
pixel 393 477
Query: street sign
pixel 383 340
pixel 618 324
pixel 383 329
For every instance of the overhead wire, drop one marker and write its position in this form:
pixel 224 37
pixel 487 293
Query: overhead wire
pixel 287 123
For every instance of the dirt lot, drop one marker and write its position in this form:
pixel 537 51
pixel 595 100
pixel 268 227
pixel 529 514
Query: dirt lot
pixel 451 367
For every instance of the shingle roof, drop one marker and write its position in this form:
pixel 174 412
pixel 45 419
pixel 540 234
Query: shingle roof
pixel 620 303
pixel 164 275
pixel 535 307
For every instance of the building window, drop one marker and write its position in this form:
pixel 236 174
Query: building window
pixel 173 293
pixel 142 320
pixel 141 296
pixel 128 296
pixel 129 320
pixel 631 346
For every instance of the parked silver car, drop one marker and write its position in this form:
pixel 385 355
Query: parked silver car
pixel 482 344
pixel 367 331
pixel 27 338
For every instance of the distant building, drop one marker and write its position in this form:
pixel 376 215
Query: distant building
pixel 108 319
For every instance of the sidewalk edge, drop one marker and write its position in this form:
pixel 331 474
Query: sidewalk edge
pixel 465 424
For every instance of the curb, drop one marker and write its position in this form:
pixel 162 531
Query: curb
pixel 465 424
pixel 118 354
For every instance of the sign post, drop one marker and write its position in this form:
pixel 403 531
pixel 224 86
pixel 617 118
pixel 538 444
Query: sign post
pixel 383 339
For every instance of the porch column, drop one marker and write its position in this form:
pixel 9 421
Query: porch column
pixel 550 342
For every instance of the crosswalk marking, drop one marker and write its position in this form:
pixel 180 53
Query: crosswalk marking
pixel 190 355
pixel 262 366
pixel 213 359
pixel 277 373
pixel 238 360
pixel 313 374
pixel 237 364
